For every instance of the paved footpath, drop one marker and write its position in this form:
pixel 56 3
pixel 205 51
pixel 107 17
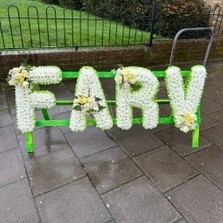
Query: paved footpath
pixel 135 176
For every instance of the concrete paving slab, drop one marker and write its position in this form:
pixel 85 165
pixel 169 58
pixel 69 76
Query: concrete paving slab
pixel 90 141
pixel 109 169
pixel 17 204
pixel 11 166
pixel 7 138
pixel 198 200
pixel 165 168
pixel 5 118
pixel 208 106
pixel 214 135
pixel 45 140
pixel 218 115
pixel 75 202
pixel 136 141
pixel 209 163
pixel 212 92
pixel 63 116
pixel 207 122
pixel 53 170
pixel 139 201
pixel 180 142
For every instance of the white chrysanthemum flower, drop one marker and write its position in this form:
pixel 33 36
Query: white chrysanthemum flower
pixel 45 75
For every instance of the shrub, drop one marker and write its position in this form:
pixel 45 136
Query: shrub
pixel 55 2
pixel 74 4
pixel 179 14
pixel 172 15
pixel 130 12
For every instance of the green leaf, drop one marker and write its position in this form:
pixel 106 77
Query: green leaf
pixel 77 108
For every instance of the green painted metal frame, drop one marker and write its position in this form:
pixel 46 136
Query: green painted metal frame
pixel 72 75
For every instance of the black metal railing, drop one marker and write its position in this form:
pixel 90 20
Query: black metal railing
pixel 66 28
pixel 216 20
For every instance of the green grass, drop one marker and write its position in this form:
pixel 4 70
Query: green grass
pixel 71 28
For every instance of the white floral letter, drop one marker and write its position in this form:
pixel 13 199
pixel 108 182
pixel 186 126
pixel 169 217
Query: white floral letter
pixel 88 85
pixel 141 98
pixel 27 101
pixel 184 100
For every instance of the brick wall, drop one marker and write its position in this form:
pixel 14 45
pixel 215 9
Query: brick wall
pixel 106 58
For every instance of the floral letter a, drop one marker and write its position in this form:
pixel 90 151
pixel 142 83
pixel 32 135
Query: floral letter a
pixel 89 100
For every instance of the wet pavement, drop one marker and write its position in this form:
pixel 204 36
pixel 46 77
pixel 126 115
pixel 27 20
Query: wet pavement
pixel 135 176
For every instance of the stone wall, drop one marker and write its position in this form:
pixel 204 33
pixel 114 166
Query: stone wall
pixel 106 58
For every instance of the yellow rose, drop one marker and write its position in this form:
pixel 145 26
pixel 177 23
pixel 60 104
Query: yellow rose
pixel 84 100
pixel 18 75
pixel 126 85
pixel 16 70
pixel 20 80
pixel 118 79
pixel 25 84
pixel 91 99
pixel 12 82
pixel 125 72
pixel 25 73
pixel 76 100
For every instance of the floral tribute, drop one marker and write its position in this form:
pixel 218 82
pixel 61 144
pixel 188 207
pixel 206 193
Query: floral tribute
pixel 87 104
pixel 135 87
pixel 89 100
pixel 185 99
pixel 24 79
pixel 142 98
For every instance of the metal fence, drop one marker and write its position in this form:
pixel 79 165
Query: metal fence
pixel 216 21
pixel 65 28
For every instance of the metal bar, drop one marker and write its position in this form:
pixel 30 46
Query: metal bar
pixel 10 25
pixel 2 35
pixel 45 114
pixel 29 142
pixel 102 32
pixel 92 122
pixel 64 28
pixel 152 27
pixel 47 26
pixel 189 30
pixel 109 74
pixel 20 28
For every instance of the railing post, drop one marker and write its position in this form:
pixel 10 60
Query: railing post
pixel 152 27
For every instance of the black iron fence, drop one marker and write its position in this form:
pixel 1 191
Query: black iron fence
pixel 63 28
pixel 216 20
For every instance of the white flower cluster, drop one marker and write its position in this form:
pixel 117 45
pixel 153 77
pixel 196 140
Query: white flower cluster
pixel 45 75
pixel 125 78
pixel 87 104
pixel 88 84
pixel 185 100
pixel 42 99
pixel 141 98
pixel 24 110
pixel 18 76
